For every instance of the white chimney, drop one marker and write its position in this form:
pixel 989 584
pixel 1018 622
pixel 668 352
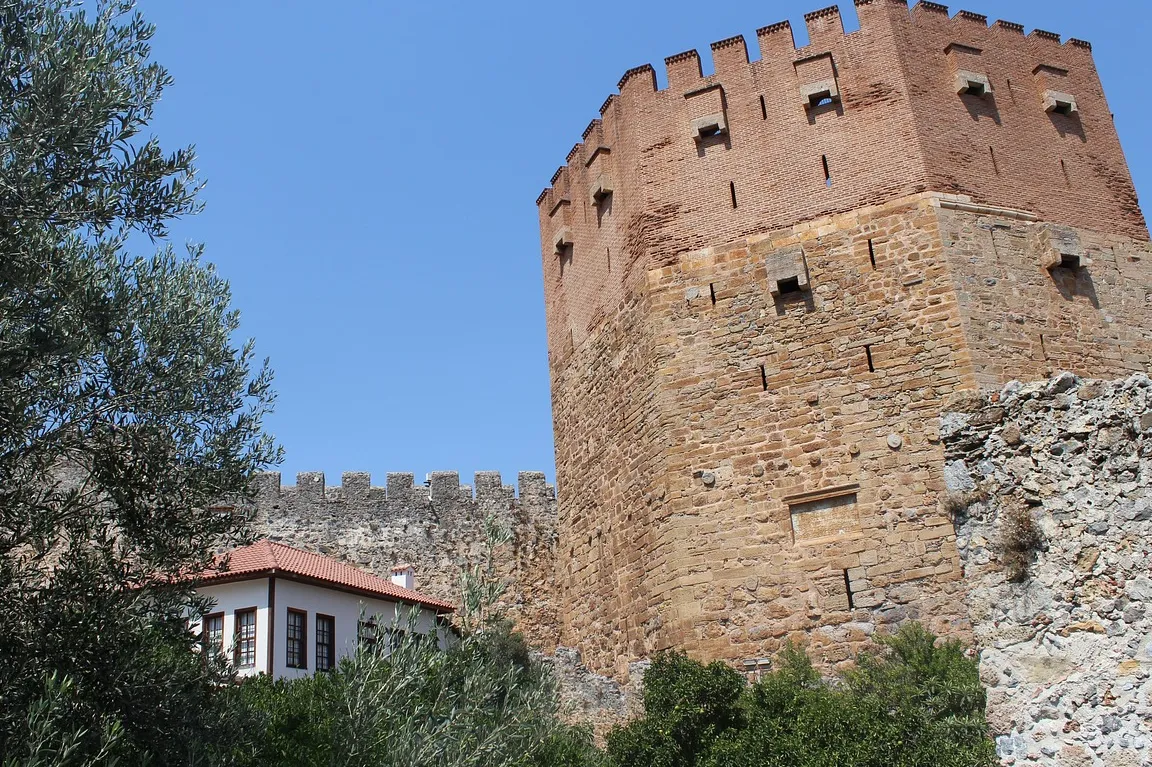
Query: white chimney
pixel 404 576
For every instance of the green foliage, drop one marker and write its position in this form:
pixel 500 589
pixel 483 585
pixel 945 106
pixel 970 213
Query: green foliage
pixel 687 705
pixel 52 738
pixel 473 705
pixel 126 411
pixel 918 703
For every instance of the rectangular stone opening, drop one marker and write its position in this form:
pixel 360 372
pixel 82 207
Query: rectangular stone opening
pixel 787 271
pixel 788 285
pixel 823 514
pixel 816 76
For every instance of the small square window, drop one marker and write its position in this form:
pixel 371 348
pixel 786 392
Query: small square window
pixel 709 126
pixel 1060 103
pixel 972 84
pixel 788 285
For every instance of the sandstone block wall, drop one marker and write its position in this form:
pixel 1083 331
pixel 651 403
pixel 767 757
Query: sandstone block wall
pixel 762 285
pixel 438 528
pixel 781 471
pixel 1066 652
pixel 1026 322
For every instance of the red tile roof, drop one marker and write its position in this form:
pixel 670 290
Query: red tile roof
pixel 265 558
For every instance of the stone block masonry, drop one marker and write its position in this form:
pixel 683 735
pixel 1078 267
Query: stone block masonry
pixel 1066 650
pixel 437 527
pixel 762 286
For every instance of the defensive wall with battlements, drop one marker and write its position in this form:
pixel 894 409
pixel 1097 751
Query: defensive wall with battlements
pixel 438 527
pixel 763 287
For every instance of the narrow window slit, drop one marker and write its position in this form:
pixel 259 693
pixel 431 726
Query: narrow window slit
pixel 732 191
pixel 995 165
pixel 712 292
pixel 827 173
pixel 1064 170
pixel 609 252
pixel 868 354
pixel 848 591
pixel 763 378
pixel 763 109
pixel 872 253
pixel 1043 350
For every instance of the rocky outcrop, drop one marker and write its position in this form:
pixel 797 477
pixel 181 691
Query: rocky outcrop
pixel 1051 487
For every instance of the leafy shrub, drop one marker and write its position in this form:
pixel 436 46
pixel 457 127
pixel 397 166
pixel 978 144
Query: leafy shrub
pixel 474 705
pixel 687 706
pixel 916 703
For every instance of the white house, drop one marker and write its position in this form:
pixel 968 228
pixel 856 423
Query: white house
pixel 287 612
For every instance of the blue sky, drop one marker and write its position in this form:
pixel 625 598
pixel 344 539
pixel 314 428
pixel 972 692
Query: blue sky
pixel 372 169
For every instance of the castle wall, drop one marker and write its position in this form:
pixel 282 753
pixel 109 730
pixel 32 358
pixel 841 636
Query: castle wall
pixel 762 285
pixel 899 127
pixel 1026 322
pixel 1066 649
pixel 802 462
pixel 608 442
pixel 791 483
pixel 438 528
pixel 1003 148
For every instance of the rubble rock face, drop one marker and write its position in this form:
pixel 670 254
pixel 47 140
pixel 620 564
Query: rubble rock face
pixel 585 697
pixel 1052 491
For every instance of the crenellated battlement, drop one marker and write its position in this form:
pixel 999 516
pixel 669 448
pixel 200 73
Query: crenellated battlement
pixel 438 526
pixel 401 488
pixel 915 100
pixel 777 44
pixel 763 284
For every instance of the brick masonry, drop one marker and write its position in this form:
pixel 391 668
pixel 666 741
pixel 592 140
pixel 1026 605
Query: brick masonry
pixel 761 288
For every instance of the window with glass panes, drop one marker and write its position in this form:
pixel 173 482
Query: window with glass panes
pixel 297 635
pixel 213 633
pixel 246 638
pixel 325 642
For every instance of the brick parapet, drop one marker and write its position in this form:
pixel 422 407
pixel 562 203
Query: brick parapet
pixel 899 128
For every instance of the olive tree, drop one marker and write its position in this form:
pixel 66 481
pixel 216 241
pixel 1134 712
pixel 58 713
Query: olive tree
pixel 126 408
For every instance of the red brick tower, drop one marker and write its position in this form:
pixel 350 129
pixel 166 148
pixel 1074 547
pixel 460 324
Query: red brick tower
pixel 761 287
